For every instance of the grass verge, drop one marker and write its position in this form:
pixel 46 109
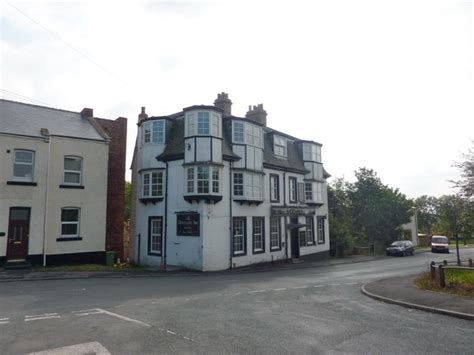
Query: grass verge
pixel 459 282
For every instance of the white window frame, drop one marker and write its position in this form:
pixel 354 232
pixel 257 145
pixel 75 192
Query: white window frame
pixel 274 188
pixel 238 239
pixel 321 230
pixel 318 193
pixel 201 178
pixel 190 180
pixel 258 234
pixel 293 189
pixel 280 146
pixel 308 191
pixel 311 152
pixel 215 180
pixel 156 236
pixel 79 172
pixel 32 164
pixel 254 186
pixel 147 184
pixel 310 230
pixel 240 184
pixel 77 223
pixel 215 125
pixel 275 233
pixel 203 121
pixel 238 136
pixel 190 125
pixel 154 132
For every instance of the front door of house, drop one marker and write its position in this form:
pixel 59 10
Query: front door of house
pixel 295 243
pixel 18 233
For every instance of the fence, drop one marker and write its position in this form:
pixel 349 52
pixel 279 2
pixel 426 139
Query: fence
pixel 439 278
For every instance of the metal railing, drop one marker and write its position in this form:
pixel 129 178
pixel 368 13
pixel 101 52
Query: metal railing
pixel 444 265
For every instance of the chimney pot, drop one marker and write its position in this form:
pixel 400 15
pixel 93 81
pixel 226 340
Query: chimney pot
pixel 224 103
pixel 87 113
pixel 257 114
pixel 142 115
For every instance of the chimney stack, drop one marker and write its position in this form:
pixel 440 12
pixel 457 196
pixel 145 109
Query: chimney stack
pixel 142 115
pixel 257 114
pixel 223 102
pixel 87 113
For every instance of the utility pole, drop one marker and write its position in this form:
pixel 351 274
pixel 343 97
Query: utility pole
pixel 456 232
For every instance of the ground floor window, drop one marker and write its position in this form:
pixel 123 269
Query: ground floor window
pixel 302 238
pixel 70 222
pixel 275 235
pixel 320 224
pixel 309 230
pixel 258 234
pixel 239 236
pixel 155 235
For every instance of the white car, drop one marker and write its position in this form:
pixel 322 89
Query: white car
pixel 439 243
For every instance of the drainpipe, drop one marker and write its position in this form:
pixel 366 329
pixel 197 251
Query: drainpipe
pixel 286 217
pixel 46 199
pixel 230 215
pixel 165 218
pixel 139 247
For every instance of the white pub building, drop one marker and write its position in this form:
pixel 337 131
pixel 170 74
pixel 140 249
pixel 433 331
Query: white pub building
pixel 213 191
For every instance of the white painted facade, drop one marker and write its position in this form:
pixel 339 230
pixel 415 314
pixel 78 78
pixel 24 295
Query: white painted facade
pixel 219 206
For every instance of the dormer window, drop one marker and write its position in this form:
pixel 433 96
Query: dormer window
pixel 203 123
pixel 248 133
pixel 154 132
pixel 311 152
pixel 238 132
pixel 279 146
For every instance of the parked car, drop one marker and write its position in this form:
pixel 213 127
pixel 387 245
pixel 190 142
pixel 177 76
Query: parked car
pixel 401 247
pixel 439 243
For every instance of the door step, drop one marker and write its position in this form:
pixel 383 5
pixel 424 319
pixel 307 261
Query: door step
pixel 19 264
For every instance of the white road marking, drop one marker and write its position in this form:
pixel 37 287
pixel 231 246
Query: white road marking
pixel 279 289
pixel 186 338
pixel 334 284
pixel 351 283
pixel 123 317
pixel 85 348
pixel 29 318
pixel 257 291
pixel 299 287
pixel 318 285
pixel 2 319
pixel 80 313
pixel 238 293
pixel 4 322
pixel 170 332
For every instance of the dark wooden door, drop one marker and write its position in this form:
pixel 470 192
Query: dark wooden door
pixel 295 243
pixel 18 233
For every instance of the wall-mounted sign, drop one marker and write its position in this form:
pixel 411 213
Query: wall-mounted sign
pixel 187 224
pixel 292 211
pixel 2 234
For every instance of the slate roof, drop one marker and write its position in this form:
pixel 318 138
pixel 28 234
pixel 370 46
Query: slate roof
pixel 27 120
pixel 293 160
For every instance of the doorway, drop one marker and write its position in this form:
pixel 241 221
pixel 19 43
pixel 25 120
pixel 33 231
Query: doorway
pixel 295 243
pixel 18 233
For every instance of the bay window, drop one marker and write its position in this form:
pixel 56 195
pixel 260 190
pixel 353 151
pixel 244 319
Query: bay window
pixel 203 123
pixel 203 180
pixel 292 189
pixel 152 184
pixel 238 184
pixel 154 132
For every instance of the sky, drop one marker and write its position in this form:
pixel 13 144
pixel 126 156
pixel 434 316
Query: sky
pixel 385 85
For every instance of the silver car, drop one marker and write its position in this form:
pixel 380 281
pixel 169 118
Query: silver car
pixel 439 244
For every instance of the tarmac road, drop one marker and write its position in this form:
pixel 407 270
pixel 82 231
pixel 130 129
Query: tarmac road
pixel 312 310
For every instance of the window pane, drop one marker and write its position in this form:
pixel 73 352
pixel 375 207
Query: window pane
pixel 238 132
pixel 23 171
pixel 19 215
pixel 69 215
pixel 72 164
pixel 203 123
pixel 69 229
pixel 146 132
pixel 72 178
pixel 158 133
pixel 23 157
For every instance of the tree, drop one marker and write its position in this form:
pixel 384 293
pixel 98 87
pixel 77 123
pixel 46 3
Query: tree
pixel 426 207
pixel 128 200
pixel 377 210
pixel 340 225
pixel 466 183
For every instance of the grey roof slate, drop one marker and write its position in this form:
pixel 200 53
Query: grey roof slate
pixel 293 160
pixel 25 119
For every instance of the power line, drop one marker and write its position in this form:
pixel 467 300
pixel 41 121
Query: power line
pixel 59 38
pixel 25 97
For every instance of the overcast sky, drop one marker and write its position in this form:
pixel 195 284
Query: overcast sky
pixel 381 84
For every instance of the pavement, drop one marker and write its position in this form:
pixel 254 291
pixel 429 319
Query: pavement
pixel 395 290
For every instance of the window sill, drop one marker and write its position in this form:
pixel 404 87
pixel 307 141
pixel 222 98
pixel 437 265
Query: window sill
pixel 275 249
pixel 64 186
pixel 152 253
pixel 147 200
pixel 236 255
pixel 314 203
pixel 258 252
pixel 21 183
pixel 68 239
pixel 207 198
pixel 248 201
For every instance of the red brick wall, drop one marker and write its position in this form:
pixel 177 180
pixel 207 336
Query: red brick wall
pixel 117 131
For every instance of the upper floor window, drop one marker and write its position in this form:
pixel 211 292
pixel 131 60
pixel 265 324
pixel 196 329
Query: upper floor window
pixel 72 170
pixel 202 180
pixel 280 146
pixel 203 123
pixel 318 196
pixel 308 189
pixel 238 132
pixel 154 132
pixel 292 189
pixel 311 152
pixel 248 185
pixel 216 127
pixel 238 184
pixel 23 165
pixel 274 188
pixel 152 184
pixel 253 135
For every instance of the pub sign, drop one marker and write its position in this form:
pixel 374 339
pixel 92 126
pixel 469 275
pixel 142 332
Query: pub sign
pixel 187 224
